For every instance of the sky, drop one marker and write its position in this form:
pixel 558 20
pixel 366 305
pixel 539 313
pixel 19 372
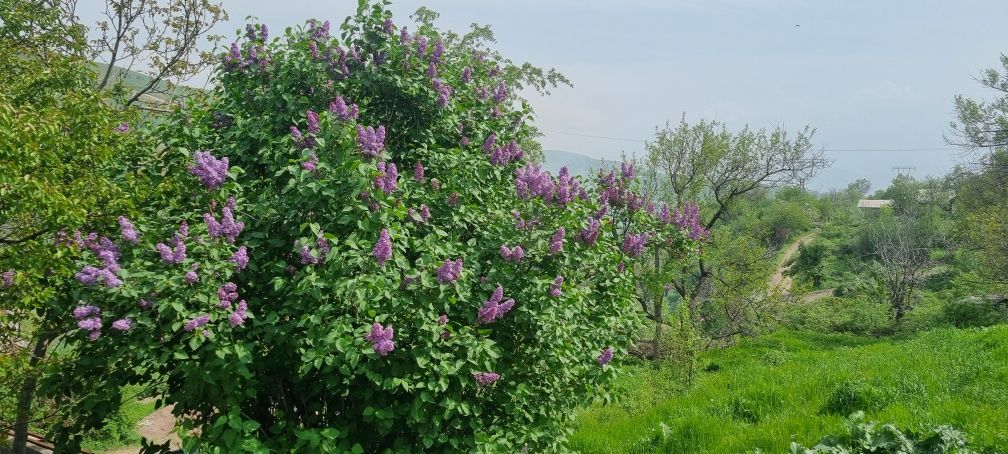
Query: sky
pixel 875 79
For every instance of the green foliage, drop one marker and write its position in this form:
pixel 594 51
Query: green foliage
pixel 299 374
pixel 858 315
pixel 766 392
pixel 865 437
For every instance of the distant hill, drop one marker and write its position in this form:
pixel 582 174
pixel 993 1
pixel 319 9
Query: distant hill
pixel 577 164
pixel 134 80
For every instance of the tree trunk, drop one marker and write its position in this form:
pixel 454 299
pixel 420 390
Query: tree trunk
pixel 27 395
pixel 658 306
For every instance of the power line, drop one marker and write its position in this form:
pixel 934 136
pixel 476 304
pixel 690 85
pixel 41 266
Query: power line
pixel 624 139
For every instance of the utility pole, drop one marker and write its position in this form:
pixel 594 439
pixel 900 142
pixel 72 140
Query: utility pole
pixel 899 170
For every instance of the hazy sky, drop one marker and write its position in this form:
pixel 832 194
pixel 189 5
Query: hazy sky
pixel 872 77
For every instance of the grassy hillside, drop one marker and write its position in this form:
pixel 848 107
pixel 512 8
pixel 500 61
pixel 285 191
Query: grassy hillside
pixel 134 80
pixel 788 386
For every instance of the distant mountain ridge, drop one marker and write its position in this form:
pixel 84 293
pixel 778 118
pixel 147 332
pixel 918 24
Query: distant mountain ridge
pixel 577 164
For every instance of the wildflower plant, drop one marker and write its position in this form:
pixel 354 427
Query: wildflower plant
pixel 348 307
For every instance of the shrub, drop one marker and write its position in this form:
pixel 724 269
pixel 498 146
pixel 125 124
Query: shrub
pixel 858 315
pixel 867 437
pixel 365 261
pixel 853 395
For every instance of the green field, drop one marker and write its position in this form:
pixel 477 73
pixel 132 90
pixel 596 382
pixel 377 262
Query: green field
pixel 769 391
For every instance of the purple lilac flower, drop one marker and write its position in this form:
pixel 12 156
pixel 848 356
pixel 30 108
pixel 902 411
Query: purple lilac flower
pixel 129 232
pixel 453 199
pixel 123 324
pixel 688 219
pixel 240 258
pixel 494 308
pixel 444 92
pixel 532 181
pixel 590 233
pixel 381 339
pixel 431 70
pixel 226 227
pixel 323 246
pixel 318 32
pixel 388 27
pixel 237 318
pixel 621 267
pixel 488 144
pixel 311 164
pixel 567 188
pixel 421 45
pixel 435 184
pixel 296 134
pixel 8 278
pixel 450 271
pixel 633 245
pixel 556 288
pixel 227 294
pixel 442 320
pixel 467 75
pixel 210 170
pixel 418 171
pixel 263 32
pixel 343 111
pixel 557 241
pixel 109 254
pixel 88 311
pixel 386 179
pixel 196 322
pixel 439 49
pixel 145 304
pixel 313 122
pixel 515 254
pixel 664 215
pixel 500 93
pixel 605 357
pixel 485 378
pixel 191 277
pixel 176 256
pixel 383 248
pixel 370 140
pixel 495 70
pixel 404 36
pixel 482 94
pixel 123 127
pixel 313 49
pixel 307 258
pixel 627 170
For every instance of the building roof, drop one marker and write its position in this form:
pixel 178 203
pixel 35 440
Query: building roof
pixel 874 203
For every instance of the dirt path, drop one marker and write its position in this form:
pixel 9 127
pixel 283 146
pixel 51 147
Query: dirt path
pixel 157 427
pixel 779 280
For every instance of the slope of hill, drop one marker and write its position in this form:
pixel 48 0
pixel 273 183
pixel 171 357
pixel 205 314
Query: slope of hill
pixel 577 164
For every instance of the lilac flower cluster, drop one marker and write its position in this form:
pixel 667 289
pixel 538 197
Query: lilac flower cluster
pixel 524 224
pixel 442 320
pixel 307 257
pixel 108 273
pixel 495 307
pixel 253 32
pixel 227 294
pixel 318 31
pixel 341 110
pixel 123 127
pixel 556 288
pixel 633 245
pixel 8 278
pixel 443 90
pixel 467 74
pixel 500 93
pixel 532 181
pixel 418 172
pixel 557 241
pixel 240 258
pixel 237 318
pixel 450 271
pixel 589 234
pixel 388 27
pixel 210 170
pixel 89 319
pixel 507 154
pixel 226 227
pixel 178 254
pixel 515 254
pixel 567 188
pixel 453 199
pixel 383 248
pixel 123 324
pixel 311 164
pixel 688 219
pixel 196 323
pixel 313 122
pixel 191 276
pixel 371 141
pixel 381 339
pixel 322 244
pixel 386 178
pixel 485 378
pixel 145 304
pixel 129 232
pixel 421 216
pixel 606 356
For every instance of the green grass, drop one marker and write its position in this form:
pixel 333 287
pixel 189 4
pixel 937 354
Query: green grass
pixel 789 386
pixel 121 431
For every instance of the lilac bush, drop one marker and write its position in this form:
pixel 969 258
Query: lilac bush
pixel 274 280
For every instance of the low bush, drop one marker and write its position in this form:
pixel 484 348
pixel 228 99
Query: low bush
pixel 866 437
pixel 838 315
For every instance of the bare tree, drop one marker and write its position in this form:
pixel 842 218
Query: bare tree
pixel 165 39
pixel 903 247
